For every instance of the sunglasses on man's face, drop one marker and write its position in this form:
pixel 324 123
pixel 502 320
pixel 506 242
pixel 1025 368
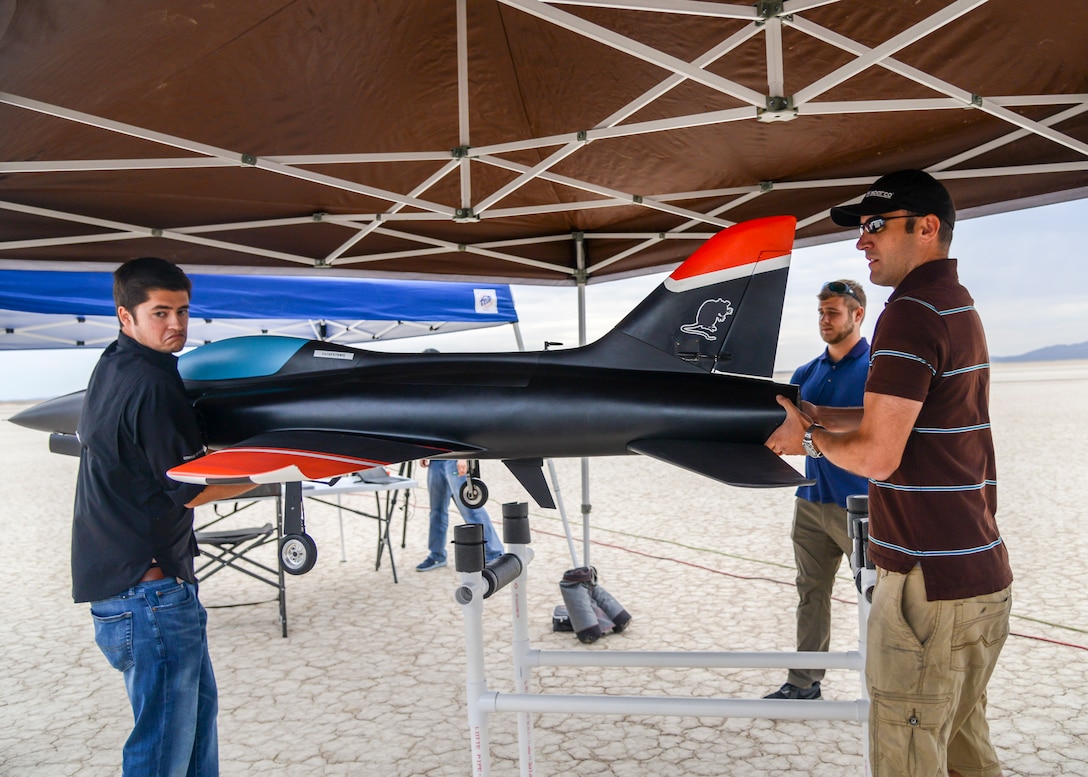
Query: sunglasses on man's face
pixel 838 287
pixel 877 224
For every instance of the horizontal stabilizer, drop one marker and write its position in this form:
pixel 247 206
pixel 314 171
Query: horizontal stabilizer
pixel 737 464
pixel 290 456
pixel 530 473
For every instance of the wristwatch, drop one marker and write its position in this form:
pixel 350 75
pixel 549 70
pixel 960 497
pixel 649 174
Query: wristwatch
pixel 810 447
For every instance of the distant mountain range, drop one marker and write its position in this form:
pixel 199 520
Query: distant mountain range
pixel 1048 354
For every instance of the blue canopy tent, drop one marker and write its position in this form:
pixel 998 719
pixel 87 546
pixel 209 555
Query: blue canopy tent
pixel 44 309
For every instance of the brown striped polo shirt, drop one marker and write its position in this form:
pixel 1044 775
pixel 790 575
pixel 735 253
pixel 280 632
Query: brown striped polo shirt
pixel 938 508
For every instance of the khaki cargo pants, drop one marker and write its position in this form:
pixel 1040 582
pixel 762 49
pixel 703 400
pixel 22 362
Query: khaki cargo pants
pixel 927 666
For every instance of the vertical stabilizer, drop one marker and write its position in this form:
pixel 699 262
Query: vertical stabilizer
pixel 719 310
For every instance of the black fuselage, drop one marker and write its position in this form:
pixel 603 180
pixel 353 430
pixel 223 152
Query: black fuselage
pixel 501 407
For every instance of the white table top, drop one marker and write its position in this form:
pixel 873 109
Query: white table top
pixel 367 481
pixel 356 482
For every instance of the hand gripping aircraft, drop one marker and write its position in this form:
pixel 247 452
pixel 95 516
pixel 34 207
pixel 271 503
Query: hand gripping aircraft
pixel 683 378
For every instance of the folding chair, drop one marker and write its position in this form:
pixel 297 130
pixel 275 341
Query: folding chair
pixel 232 548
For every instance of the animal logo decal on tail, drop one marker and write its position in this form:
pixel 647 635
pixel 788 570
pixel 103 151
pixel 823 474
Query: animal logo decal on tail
pixel 711 313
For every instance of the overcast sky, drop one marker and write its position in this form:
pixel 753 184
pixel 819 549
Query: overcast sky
pixel 1026 270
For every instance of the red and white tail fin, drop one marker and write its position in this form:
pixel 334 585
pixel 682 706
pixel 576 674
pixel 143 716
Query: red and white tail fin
pixel 720 310
pixel 743 250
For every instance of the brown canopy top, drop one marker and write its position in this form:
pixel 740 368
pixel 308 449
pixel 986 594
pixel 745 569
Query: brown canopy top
pixel 511 139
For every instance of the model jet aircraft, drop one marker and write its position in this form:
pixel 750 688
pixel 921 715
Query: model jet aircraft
pixel 683 378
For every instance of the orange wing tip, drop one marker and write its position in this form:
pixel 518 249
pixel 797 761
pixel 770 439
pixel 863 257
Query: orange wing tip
pixel 742 244
pixel 267 465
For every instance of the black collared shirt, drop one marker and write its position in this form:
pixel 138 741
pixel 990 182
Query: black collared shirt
pixel 136 423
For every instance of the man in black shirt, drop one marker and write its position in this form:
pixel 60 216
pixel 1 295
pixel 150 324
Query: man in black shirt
pixel 132 530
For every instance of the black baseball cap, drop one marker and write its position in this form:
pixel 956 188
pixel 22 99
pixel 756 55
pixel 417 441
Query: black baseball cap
pixel 913 190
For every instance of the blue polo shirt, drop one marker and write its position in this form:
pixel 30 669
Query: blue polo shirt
pixel 834 384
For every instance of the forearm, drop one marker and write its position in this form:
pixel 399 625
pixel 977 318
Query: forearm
pixel 834 419
pixel 874 447
pixel 215 493
pixel 852 452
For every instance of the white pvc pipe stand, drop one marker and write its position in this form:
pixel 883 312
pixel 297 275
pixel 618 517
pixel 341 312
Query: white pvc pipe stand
pixel 469 595
pixel 482 702
pixel 866 582
pixel 521 648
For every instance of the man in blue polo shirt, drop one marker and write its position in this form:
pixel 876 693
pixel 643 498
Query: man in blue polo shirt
pixel 835 378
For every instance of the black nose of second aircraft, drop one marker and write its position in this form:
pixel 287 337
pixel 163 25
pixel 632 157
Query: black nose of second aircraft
pixel 53 415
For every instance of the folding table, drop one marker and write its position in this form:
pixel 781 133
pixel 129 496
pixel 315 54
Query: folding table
pixel 233 547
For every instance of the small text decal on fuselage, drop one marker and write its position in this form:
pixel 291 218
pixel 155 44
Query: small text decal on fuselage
pixel 334 355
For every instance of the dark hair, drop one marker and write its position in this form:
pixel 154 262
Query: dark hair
pixel 855 298
pixel 134 281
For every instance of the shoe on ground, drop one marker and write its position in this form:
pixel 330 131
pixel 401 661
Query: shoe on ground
pixel 429 564
pixel 791 691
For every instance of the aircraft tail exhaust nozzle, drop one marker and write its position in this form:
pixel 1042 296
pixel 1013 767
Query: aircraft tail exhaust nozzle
pixel 718 311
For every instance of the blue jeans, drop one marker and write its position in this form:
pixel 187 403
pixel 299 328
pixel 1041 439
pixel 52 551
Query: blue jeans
pixel 155 634
pixel 443 484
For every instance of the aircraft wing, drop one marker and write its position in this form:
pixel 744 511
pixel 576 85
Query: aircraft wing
pixel 749 465
pixel 293 455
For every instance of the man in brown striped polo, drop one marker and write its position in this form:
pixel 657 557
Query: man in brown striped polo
pixel 941 605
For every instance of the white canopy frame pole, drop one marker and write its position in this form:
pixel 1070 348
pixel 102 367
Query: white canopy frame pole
pixel 1050 121
pixel 620 197
pixel 776 67
pixel 239 158
pixel 581 137
pixel 188 163
pixel 623 113
pixel 563 515
pixel 555 480
pixel 885 50
pixel 132 231
pixel 580 256
pixel 371 226
pixel 679 7
pixel 641 51
pixel 553 474
pixel 448 245
pixel 463 123
pixel 882 57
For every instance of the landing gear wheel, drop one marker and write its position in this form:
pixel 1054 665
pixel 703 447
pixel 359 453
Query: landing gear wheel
pixel 473 493
pixel 298 553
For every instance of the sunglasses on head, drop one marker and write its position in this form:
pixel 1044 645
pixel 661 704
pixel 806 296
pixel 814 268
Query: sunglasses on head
pixel 876 224
pixel 838 287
